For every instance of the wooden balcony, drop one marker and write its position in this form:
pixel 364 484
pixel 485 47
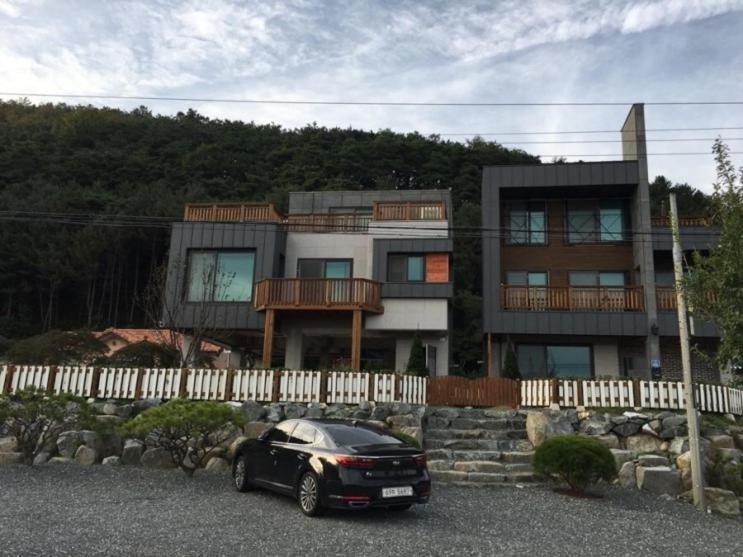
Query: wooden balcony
pixel 327 222
pixel 665 222
pixel 572 298
pixel 410 210
pixel 318 294
pixel 665 298
pixel 231 212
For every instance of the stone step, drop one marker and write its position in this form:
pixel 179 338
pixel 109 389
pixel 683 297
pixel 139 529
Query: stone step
pixel 480 478
pixel 474 434
pixel 519 445
pixel 463 456
pixel 451 413
pixel 518 457
pixel 470 423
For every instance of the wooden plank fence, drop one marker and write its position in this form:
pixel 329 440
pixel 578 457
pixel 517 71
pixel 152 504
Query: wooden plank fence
pixel 629 393
pixel 265 385
pixel 261 385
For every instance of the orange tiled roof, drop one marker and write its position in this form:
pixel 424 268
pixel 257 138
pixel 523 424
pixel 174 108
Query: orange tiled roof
pixel 132 336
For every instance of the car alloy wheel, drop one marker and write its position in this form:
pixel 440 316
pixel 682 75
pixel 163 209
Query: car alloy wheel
pixel 309 495
pixel 240 475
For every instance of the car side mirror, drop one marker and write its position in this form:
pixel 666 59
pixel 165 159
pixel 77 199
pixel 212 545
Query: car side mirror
pixel 263 437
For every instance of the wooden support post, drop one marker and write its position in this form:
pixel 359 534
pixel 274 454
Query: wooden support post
pixel 229 384
pixel 555 385
pixel 370 388
pixel 8 379
pixel 489 340
pixel 637 392
pixel 94 382
pixel 276 387
pixel 323 386
pixel 51 378
pixel 183 384
pixel 356 341
pixel 268 338
pixel 138 386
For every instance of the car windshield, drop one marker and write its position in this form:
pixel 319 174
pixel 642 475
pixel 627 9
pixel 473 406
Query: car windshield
pixel 350 436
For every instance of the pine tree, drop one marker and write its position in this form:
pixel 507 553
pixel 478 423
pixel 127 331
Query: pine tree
pixel 417 359
pixel 511 364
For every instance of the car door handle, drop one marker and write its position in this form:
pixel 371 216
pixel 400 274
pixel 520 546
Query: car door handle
pixel 272 452
pixel 302 456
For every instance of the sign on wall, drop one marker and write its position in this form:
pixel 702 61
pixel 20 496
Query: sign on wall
pixel 437 267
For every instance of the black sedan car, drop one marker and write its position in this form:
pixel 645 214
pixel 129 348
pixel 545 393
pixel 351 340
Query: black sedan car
pixel 344 464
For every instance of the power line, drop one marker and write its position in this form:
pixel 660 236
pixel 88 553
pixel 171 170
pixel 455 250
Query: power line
pixel 582 141
pixel 558 155
pixel 366 103
pixel 590 131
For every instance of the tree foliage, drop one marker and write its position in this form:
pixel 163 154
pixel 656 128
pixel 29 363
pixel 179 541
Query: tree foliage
pixel 691 202
pixel 417 360
pixel 189 430
pixel 577 461
pixel 36 418
pixel 57 348
pixel 145 354
pixel 714 283
pixel 511 363
pixel 61 159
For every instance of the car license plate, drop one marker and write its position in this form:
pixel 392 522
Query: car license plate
pixel 406 491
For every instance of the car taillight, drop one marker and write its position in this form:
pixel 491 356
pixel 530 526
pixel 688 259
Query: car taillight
pixel 354 461
pixel 420 460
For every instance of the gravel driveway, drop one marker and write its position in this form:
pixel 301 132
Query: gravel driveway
pixel 73 510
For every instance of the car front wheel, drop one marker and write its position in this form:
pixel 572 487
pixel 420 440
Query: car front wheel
pixel 308 494
pixel 240 475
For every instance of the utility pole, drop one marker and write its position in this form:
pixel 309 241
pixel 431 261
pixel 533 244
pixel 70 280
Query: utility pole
pixel 697 475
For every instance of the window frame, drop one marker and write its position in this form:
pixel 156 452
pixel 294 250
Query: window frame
pixel 325 261
pixel 596 232
pixel 216 251
pixel 597 276
pixel 545 347
pixel 507 218
pixel 528 272
pixel 407 256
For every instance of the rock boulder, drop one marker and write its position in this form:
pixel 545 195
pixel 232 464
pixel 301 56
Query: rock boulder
pixel 659 480
pixel 157 458
pixel 721 501
pixel 68 442
pixel 131 454
pixel 86 455
pixel 543 425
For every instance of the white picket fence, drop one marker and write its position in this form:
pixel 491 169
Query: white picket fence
pixel 629 393
pixel 217 384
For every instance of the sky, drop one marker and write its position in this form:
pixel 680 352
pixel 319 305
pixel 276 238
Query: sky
pixel 354 50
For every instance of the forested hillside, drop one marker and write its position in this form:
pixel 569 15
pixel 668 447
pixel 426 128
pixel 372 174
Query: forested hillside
pixel 58 273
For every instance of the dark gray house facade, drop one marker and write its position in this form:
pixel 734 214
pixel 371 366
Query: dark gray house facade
pixel 577 276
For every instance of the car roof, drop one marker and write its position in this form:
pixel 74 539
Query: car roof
pixel 342 422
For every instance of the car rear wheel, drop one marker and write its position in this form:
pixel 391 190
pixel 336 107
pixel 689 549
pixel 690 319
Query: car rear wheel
pixel 308 494
pixel 240 475
pixel 400 508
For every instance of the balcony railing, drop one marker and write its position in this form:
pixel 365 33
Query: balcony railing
pixel 410 210
pixel 318 294
pixel 231 212
pixel 683 221
pixel 665 298
pixel 328 222
pixel 572 298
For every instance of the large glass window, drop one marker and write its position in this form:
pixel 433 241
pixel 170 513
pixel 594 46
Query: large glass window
pixel 220 276
pixel 526 222
pixel 324 268
pixel 597 278
pixel 526 278
pixel 606 220
pixel 537 360
pixel 405 267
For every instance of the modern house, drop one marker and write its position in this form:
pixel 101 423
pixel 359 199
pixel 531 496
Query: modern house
pixel 577 276
pixel 345 279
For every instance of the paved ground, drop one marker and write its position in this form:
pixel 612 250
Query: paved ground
pixel 71 510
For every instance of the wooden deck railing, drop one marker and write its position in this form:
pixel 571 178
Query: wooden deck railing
pixel 332 294
pixel 410 210
pixel 573 298
pixel 328 222
pixel 683 221
pixel 231 212
pixel 665 297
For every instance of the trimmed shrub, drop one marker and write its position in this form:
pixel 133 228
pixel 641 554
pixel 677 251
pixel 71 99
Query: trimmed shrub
pixel 577 461
pixel 146 354
pixel 57 348
pixel 36 418
pixel 511 363
pixel 189 430
pixel 417 359
pixel 404 437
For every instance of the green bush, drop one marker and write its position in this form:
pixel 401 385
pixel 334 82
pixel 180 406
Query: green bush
pixel 409 439
pixel 511 363
pixel 190 431
pixel 57 348
pixel 577 461
pixel 417 360
pixel 36 418
pixel 145 354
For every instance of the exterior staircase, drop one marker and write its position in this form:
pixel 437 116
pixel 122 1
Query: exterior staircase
pixel 477 446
